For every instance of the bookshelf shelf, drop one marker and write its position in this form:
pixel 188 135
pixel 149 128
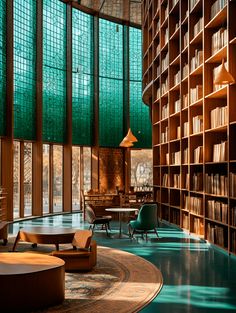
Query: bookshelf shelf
pixel 218 19
pixel 200 117
pixel 218 56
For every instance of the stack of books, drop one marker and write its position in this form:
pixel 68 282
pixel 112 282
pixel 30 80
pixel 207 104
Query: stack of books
pixel 215 234
pixel 177 106
pixel 198 27
pixel 232 183
pixel 165 180
pixel 219 40
pixel 195 93
pixel 217 210
pixel 164 135
pixel 196 60
pixel 185 39
pixel 185 158
pixel 176 181
pixel 197 181
pixel 198 226
pixel 176 158
pixel 233 216
pixel 186 129
pixel 185 101
pixel 165 111
pixel 164 62
pixel 193 204
pixel 185 70
pixel 164 87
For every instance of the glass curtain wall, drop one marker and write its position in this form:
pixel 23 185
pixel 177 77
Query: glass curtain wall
pixel 16 179
pixel 75 178
pixel 111 105
pixel 141 168
pixel 2 67
pixel 140 121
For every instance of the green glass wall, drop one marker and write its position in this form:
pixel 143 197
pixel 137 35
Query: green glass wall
pixel 82 78
pixel 24 69
pixel 110 84
pixel 54 71
pixel 2 67
pixel 140 122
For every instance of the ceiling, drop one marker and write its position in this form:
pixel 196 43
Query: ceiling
pixel 128 11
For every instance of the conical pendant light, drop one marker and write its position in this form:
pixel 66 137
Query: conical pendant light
pixel 223 77
pixel 130 136
pixel 125 143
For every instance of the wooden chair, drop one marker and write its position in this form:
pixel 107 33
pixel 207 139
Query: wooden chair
pixel 83 255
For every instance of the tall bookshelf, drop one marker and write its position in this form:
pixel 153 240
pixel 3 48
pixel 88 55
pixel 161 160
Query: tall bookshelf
pixel 194 121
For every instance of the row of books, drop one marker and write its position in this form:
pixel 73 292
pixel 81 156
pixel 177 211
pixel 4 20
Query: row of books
pixel 197 181
pixel 176 158
pixel 232 183
pixel 198 226
pixel 197 124
pixel 198 155
pixel 166 36
pixel 185 70
pixel 176 181
pixel 164 87
pixel 216 184
pixel 196 93
pixel 175 217
pixel 217 6
pixel 185 156
pixel 219 116
pixel 196 60
pixel 165 111
pixel 178 132
pixel 158 70
pixel 165 180
pixel 177 78
pixel 219 40
pixel 193 3
pixel 177 105
pixel 215 234
pixel 185 100
pixel 185 221
pixel 186 129
pixel 198 27
pixel 158 93
pixel 165 135
pixel 165 62
pixel 219 152
pixel 185 40
pixel 233 216
pixel 193 204
pixel 217 210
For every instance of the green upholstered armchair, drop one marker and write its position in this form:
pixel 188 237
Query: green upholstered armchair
pixel 146 221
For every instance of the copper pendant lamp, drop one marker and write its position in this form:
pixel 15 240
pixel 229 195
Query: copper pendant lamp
pixel 126 143
pixel 223 77
pixel 128 140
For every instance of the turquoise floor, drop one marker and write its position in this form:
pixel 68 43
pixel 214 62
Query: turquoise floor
pixel 197 276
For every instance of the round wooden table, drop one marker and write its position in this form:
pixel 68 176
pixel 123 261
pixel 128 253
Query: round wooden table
pixel 30 281
pixel 121 211
pixel 45 235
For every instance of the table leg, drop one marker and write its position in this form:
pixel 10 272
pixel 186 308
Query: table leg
pixel 16 241
pixel 120 224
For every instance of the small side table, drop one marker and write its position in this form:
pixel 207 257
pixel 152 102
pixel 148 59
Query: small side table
pixel 121 211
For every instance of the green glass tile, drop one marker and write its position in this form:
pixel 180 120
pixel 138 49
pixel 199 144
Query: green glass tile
pixel 110 83
pixel 2 67
pixel 24 69
pixel 54 71
pixel 140 122
pixel 82 78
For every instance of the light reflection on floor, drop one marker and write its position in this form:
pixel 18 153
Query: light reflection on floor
pixel 197 277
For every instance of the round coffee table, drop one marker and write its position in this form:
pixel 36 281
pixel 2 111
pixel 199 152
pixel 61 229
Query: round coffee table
pixel 121 211
pixel 30 281
pixel 45 235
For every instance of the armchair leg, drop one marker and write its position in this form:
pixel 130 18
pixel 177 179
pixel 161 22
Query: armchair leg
pixel 146 235
pixel 106 229
pixel 156 232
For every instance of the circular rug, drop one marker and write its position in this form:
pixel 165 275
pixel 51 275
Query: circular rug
pixel 121 282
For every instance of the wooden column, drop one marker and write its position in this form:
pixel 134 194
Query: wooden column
pixel 37 146
pixel 67 151
pixel 7 142
pixel 95 148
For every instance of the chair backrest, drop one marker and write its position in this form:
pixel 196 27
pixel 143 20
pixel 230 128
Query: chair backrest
pixel 82 239
pixel 147 216
pixel 89 213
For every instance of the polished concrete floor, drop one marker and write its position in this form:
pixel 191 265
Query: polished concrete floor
pixel 197 276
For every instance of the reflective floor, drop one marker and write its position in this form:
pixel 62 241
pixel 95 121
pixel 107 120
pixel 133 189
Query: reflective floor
pixel 197 276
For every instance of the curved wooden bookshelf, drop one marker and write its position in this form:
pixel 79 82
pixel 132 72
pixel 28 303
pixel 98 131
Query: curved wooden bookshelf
pixel 194 121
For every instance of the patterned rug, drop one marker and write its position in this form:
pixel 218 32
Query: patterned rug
pixel 121 282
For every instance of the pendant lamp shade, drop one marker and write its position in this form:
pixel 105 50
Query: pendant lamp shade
pixel 130 136
pixel 223 77
pixel 126 143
